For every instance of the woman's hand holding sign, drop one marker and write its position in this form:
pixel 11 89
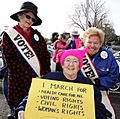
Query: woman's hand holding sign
pixel 21 114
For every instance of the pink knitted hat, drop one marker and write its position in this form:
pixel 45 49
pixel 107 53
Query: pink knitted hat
pixel 78 53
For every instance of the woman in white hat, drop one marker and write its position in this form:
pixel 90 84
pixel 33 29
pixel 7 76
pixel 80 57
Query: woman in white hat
pixel 75 41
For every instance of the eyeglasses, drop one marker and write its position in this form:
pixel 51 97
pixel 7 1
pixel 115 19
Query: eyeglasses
pixel 29 17
pixel 71 61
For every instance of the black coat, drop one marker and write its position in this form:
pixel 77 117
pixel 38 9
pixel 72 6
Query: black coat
pixel 19 71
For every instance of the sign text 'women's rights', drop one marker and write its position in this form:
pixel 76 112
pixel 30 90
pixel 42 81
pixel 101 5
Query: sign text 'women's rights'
pixel 59 100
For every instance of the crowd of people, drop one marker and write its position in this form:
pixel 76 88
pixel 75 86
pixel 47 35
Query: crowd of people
pixel 26 56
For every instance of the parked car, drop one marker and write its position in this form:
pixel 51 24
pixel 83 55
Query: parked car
pixel 116 52
pixel 117 55
pixel 1 60
pixel 51 51
pixel 115 88
pixel 2 66
pixel 113 48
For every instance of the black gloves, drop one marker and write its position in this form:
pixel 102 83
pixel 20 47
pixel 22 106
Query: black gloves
pixel 108 114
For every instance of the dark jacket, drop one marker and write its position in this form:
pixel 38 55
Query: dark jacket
pixel 19 71
pixel 99 107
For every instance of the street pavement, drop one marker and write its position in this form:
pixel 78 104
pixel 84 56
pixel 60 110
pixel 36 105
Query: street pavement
pixel 115 99
pixel 3 107
pixel 4 110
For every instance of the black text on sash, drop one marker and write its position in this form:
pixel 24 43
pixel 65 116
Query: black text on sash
pixel 25 49
pixel 87 68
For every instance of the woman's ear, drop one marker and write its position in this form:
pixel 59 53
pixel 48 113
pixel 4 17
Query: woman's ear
pixel 62 66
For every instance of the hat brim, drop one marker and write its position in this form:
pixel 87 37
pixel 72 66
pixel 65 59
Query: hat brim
pixel 75 34
pixel 37 22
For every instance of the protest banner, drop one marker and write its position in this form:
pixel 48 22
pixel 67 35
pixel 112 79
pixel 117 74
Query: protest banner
pixel 49 99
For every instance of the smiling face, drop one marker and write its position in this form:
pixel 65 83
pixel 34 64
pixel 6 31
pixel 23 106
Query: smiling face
pixel 26 20
pixel 71 66
pixel 92 44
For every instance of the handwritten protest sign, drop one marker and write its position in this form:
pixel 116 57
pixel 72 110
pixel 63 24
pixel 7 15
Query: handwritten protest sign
pixel 49 99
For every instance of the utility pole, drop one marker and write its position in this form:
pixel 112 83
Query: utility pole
pixel 87 14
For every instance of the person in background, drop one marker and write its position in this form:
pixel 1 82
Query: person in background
pixel 3 70
pixel 75 41
pixel 71 62
pixel 60 45
pixel 55 36
pixel 25 53
pixel 104 63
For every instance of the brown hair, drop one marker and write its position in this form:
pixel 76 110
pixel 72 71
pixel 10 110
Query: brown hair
pixel 63 36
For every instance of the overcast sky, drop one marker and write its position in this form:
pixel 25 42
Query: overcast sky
pixel 54 14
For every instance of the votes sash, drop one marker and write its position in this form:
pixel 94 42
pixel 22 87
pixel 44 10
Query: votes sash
pixel 88 68
pixel 25 50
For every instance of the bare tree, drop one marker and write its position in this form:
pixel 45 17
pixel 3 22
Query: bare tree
pixel 97 15
pixel 97 18
pixel 109 34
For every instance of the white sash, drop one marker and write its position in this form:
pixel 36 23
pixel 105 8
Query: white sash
pixel 88 69
pixel 25 50
pixel 106 101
